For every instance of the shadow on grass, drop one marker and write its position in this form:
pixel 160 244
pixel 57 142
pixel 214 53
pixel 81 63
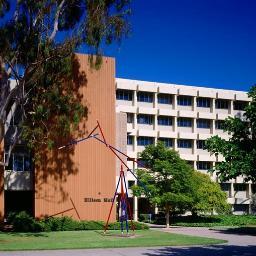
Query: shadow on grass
pixel 216 250
pixel 29 234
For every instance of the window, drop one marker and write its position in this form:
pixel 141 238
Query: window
pixel 167 141
pixel 145 97
pixel 124 95
pixel 240 208
pixel 225 186
pixel 219 124
pixel 200 144
pixel 184 122
pixel 239 187
pixel 164 98
pixel 20 160
pixel 129 140
pixel 201 165
pixel 130 118
pixel 131 183
pixel 203 102
pixel 184 101
pixel 221 104
pixel 164 120
pixel 144 141
pixel 203 123
pixel 141 163
pixel 184 144
pixel 145 119
pixel 240 105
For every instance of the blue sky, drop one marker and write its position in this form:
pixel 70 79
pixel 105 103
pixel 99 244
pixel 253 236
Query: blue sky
pixel 194 42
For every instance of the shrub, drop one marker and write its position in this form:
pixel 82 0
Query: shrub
pixel 22 222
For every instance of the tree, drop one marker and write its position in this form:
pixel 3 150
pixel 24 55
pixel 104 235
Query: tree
pixel 167 181
pixel 37 42
pixel 207 196
pixel 240 150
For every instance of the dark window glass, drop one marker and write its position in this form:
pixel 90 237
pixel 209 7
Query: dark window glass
pixel 167 141
pixel 203 102
pixel 240 105
pixel 145 119
pixel 203 123
pixel 164 98
pixel 202 165
pixel 144 141
pixel 225 186
pixel 239 187
pixel 184 122
pixel 240 208
pixel 184 143
pixel 131 183
pixel 129 140
pixel 145 97
pixel 200 144
pixel 219 124
pixel 221 104
pixel 124 95
pixel 184 101
pixel 164 120
pixel 130 118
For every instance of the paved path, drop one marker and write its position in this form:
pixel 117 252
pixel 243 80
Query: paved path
pixel 238 245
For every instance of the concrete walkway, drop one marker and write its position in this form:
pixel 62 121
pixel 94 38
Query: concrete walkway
pixel 238 245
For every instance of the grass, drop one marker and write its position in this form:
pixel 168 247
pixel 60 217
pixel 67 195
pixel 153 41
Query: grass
pixel 95 239
pixel 211 221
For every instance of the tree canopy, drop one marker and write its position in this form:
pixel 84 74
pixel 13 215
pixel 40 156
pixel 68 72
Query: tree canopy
pixel 167 181
pixel 240 150
pixel 208 198
pixel 37 42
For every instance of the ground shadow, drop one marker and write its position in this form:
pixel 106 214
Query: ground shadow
pixel 213 250
pixel 238 231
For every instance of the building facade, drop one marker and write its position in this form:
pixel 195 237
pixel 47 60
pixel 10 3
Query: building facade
pixel 183 117
pixel 80 181
pixel 76 181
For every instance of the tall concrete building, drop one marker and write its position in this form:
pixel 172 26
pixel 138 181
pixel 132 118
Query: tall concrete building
pixel 183 117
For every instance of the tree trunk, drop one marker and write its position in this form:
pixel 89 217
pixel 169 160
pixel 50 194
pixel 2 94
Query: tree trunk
pixel 167 216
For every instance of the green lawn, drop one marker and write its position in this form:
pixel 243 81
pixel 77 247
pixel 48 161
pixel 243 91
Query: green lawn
pixel 95 239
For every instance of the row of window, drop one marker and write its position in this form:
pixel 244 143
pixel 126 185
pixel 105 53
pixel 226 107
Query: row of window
pixel 168 121
pixel 181 100
pixel 182 143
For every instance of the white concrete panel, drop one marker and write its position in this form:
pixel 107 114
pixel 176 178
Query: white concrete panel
pixel 221 114
pixel 204 136
pixel 225 94
pixel 206 157
pixel 126 109
pixel 242 96
pixel 206 115
pixel 187 156
pixel 206 92
pixel 146 110
pixel 126 84
pixel 147 86
pixel 167 134
pixel 185 113
pixel 187 90
pixel 167 88
pixel 167 112
pixel 147 133
pixel 183 135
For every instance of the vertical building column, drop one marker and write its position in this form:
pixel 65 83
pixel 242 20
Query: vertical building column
pixel 175 124
pixel 134 98
pixel 194 147
pixel 194 165
pixel 232 191
pixel 155 116
pixel 174 102
pixel 213 106
pixel 213 126
pixel 194 104
pixel 231 107
pixel 194 125
pixel 175 144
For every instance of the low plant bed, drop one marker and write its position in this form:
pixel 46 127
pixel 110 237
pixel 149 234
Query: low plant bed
pixel 210 221
pixel 95 239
